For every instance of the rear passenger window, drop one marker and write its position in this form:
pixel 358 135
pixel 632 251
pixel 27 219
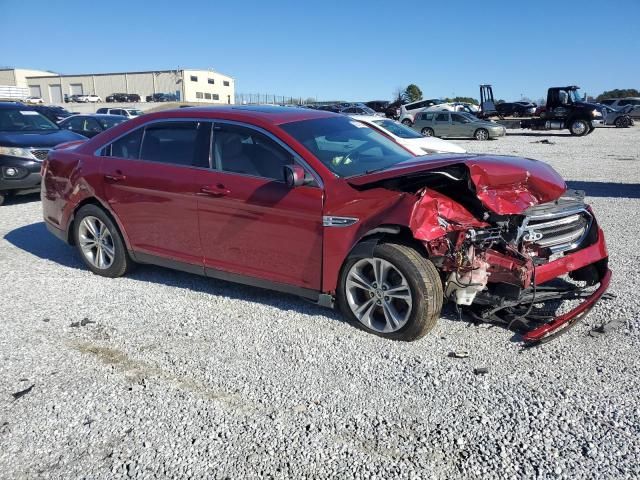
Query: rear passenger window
pixel 177 143
pixel 127 146
pixel 442 117
pixel 427 116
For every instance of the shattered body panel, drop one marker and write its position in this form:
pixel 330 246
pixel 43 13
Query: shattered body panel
pixel 510 217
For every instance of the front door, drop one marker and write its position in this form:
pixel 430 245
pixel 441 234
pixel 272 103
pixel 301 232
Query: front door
pixel 151 183
pixel 441 125
pixel 459 127
pixel 251 222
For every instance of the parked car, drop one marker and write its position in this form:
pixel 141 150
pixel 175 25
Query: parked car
pixel 26 137
pixel 34 100
pixel 456 125
pixel 52 112
pixel 88 99
pixel 619 118
pixel 330 108
pixel 162 97
pixel 91 125
pixel 123 97
pixel 125 112
pixel 516 109
pixel 364 110
pixel 393 110
pixel 409 138
pixel 379 106
pixel 408 111
pixel 319 205
pixel 618 103
pixel 71 98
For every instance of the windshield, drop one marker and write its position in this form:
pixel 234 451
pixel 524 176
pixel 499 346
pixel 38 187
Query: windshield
pixel 111 121
pixel 398 129
pixel 19 120
pixel 575 96
pixel 346 146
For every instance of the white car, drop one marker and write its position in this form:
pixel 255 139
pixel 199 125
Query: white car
pixel 89 99
pixel 33 100
pixel 409 138
pixel 125 112
pixel 408 111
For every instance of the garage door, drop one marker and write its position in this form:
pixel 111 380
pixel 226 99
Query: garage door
pixel 55 92
pixel 34 91
pixel 76 89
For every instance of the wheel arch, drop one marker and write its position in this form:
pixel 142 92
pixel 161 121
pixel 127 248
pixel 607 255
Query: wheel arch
pixel 103 207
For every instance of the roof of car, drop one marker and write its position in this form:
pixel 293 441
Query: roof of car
pixel 14 105
pixel 274 115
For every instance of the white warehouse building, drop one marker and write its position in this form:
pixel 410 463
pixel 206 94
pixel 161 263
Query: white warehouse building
pixel 186 84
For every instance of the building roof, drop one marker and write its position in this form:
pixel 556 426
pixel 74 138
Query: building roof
pixel 127 73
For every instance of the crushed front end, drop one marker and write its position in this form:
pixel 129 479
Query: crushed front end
pixel 519 270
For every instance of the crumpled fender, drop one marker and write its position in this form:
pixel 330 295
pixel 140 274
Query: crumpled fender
pixel 432 205
pixel 510 185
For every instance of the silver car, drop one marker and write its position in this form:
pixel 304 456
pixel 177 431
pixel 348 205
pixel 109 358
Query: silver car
pixel 456 124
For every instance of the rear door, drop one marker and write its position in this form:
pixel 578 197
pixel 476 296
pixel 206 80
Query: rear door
pixel 251 222
pixel 151 182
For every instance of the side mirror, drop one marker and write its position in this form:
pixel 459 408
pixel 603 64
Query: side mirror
pixel 294 175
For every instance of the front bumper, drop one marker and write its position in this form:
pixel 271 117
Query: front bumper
pixel 27 177
pixel 497 132
pixel 597 123
pixel 590 255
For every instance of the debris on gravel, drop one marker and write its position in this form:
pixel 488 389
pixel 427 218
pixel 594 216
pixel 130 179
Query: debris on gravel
pixel 186 377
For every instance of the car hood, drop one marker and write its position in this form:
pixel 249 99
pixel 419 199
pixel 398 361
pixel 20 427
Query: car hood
pixel 38 139
pixel 505 185
pixel 431 143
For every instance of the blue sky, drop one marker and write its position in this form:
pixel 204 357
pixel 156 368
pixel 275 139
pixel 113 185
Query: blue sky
pixel 351 50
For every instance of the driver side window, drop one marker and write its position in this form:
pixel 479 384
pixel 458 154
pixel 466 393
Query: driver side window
pixel 245 151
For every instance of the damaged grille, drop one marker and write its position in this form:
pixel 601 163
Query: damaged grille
pixel 40 154
pixel 556 227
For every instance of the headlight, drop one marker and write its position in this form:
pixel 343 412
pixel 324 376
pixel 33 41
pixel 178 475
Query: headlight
pixel 596 113
pixel 16 152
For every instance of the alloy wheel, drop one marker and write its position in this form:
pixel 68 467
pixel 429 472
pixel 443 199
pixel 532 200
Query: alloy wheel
pixel 96 242
pixel 378 295
pixel 482 134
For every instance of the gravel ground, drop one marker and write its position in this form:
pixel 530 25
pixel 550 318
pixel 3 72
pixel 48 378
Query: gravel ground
pixel 168 375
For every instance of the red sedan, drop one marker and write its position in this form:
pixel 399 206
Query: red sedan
pixel 316 204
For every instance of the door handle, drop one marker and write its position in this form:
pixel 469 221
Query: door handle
pixel 115 177
pixel 215 190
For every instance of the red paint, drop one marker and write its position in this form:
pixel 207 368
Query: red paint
pixel 262 228
pixel 582 309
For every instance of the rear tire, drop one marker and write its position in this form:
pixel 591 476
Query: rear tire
pixel 405 307
pixel 427 132
pixel 579 127
pixel 100 243
pixel 407 122
pixel 481 134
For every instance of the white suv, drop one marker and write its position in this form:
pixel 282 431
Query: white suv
pixel 408 111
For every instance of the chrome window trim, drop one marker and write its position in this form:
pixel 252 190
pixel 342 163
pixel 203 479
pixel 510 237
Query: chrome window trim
pixel 213 121
pixel 296 157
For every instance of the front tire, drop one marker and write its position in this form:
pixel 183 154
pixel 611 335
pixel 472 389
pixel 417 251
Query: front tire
pixel 481 134
pixel 3 197
pixel 100 243
pixel 407 122
pixel 427 132
pixel 395 294
pixel 579 127
pixel 621 122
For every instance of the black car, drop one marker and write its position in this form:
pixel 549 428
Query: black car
pixel 26 137
pixel 378 105
pixel 91 125
pixel 123 97
pixel 162 97
pixel 393 110
pixel 516 109
pixel 53 112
